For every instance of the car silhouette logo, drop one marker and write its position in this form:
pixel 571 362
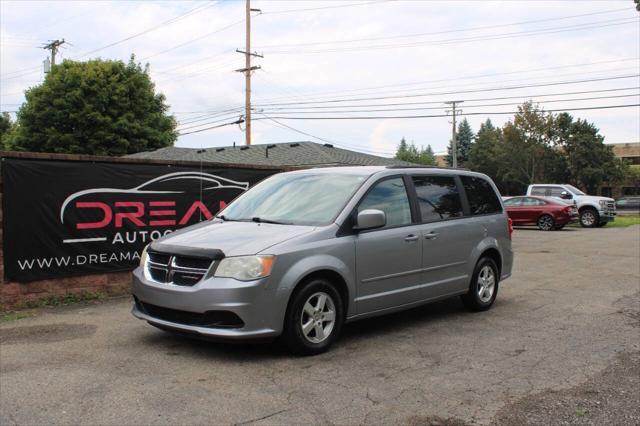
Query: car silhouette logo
pixel 205 182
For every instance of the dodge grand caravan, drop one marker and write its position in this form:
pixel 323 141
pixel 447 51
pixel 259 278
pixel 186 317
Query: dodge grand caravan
pixel 303 252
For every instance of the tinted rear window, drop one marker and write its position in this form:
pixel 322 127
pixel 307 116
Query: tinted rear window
pixel 538 190
pixel 482 198
pixel 438 197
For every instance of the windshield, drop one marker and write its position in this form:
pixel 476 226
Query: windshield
pixel 575 190
pixel 297 199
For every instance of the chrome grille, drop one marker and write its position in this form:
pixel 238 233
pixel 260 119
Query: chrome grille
pixel 177 270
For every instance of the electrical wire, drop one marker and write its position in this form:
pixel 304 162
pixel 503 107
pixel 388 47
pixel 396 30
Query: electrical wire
pixel 180 17
pixel 486 27
pixel 338 144
pixel 239 121
pixel 278 12
pixel 580 27
pixel 493 89
pixel 466 106
pixel 475 76
pixel 440 102
pixel 445 115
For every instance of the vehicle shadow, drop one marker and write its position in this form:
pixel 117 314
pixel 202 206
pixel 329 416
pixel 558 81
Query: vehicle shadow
pixel 533 228
pixel 394 324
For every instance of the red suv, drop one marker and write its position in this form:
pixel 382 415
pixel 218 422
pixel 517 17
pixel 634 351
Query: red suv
pixel 546 213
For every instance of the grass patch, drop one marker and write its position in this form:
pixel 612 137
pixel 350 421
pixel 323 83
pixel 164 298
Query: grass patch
pixel 580 412
pixel 15 316
pixel 624 221
pixel 67 299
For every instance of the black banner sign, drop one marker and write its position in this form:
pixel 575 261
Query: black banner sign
pixel 65 218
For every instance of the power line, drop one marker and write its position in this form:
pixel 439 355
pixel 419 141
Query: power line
pixel 193 40
pixel 580 27
pixel 463 114
pixel 180 17
pixel 277 12
pixel 338 144
pixel 190 12
pixel 279 110
pixel 225 118
pixel 238 121
pixel 493 89
pixel 486 27
pixel 475 76
pixel 468 106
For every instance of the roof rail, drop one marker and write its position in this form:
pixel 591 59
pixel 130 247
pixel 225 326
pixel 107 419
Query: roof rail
pixel 422 166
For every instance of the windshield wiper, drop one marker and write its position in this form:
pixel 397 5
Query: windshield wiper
pixel 227 219
pixel 263 220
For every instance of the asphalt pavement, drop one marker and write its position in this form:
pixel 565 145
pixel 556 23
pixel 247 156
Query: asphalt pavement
pixel 560 345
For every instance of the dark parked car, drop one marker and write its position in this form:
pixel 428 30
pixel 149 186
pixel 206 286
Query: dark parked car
pixel 628 204
pixel 547 214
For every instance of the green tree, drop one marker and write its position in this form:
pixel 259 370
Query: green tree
pixel 97 107
pixel 6 129
pixel 632 175
pixel 483 153
pixel 427 157
pixel 464 142
pixel 589 161
pixel 402 153
pixel 411 153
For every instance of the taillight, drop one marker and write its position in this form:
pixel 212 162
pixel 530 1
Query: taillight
pixel 510 222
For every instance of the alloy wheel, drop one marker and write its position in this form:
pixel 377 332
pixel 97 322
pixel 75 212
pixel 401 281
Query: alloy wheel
pixel 588 218
pixel 486 284
pixel 545 223
pixel 318 317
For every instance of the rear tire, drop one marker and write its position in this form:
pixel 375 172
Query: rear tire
pixel 589 217
pixel 483 288
pixel 314 317
pixel 546 222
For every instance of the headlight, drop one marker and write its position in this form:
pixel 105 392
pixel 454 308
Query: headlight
pixel 245 268
pixel 143 255
pixel 603 203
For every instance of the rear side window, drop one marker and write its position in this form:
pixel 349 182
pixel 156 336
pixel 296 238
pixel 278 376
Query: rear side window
pixel 438 197
pixel 390 196
pixel 556 191
pixel 482 198
pixel 512 202
pixel 538 190
pixel 533 202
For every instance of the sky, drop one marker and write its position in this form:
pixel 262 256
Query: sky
pixel 339 60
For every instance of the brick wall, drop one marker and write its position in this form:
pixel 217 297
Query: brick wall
pixel 15 295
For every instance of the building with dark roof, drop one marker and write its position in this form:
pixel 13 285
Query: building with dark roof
pixel 290 154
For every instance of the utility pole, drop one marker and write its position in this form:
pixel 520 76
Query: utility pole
pixel 247 70
pixel 454 145
pixel 53 46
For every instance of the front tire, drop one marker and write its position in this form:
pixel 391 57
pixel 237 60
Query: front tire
pixel 589 218
pixel 483 288
pixel 314 317
pixel 545 222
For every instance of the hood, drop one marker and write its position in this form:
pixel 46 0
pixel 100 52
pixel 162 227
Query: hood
pixel 594 198
pixel 233 238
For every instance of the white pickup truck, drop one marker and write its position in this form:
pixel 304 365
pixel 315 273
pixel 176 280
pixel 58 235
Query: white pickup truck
pixel 594 211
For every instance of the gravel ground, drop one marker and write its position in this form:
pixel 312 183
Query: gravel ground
pixel 560 346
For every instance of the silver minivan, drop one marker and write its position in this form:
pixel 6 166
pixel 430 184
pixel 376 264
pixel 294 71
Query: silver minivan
pixel 303 252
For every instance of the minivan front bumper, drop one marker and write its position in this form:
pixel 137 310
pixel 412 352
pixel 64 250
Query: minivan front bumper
pixel 177 308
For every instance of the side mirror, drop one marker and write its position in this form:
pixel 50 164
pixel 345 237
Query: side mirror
pixel 565 195
pixel 370 219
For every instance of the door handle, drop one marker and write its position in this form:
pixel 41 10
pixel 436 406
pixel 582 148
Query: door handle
pixel 411 237
pixel 431 235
